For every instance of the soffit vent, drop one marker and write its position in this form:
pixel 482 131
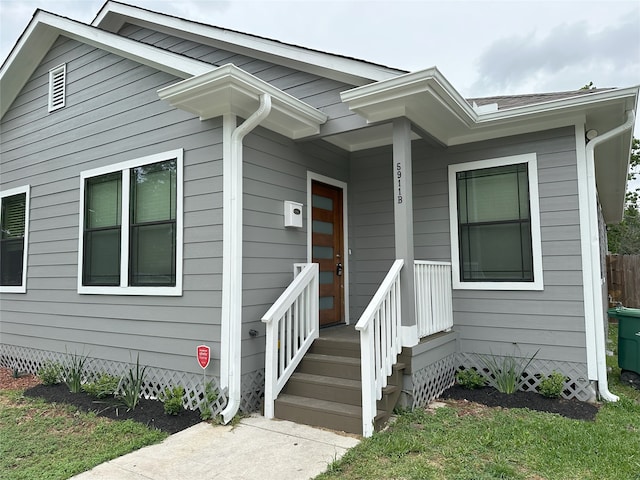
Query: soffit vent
pixel 57 83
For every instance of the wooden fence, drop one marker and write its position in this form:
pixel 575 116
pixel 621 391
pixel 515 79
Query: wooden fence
pixel 623 280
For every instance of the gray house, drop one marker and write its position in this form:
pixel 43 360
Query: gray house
pixel 336 231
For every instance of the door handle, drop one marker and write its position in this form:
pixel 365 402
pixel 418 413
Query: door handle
pixel 339 269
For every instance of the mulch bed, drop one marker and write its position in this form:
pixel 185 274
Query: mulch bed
pixel 533 401
pixel 148 412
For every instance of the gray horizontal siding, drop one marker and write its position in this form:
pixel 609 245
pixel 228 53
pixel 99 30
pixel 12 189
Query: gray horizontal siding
pixel 492 321
pixel 112 114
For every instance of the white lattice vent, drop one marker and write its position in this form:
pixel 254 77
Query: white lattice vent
pixel 155 379
pixel 577 386
pixel 430 381
pixel 252 392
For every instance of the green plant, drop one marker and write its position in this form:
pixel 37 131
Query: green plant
pixel 15 371
pixel 552 385
pixel 507 371
pixel 50 373
pixel 470 379
pixel 173 400
pixel 105 386
pixel 206 404
pixel 73 371
pixel 131 385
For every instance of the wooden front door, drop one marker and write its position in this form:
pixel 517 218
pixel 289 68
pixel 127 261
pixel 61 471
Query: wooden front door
pixel 328 250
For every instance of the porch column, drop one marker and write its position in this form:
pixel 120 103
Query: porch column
pixel 403 219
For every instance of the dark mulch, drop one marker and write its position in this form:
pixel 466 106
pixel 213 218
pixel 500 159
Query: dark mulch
pixel 533 401
pixel 148 412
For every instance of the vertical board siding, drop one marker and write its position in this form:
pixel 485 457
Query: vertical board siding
pixel 493 321
pixel 112 114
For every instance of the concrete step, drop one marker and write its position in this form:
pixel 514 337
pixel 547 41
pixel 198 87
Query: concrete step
pixel 331 366
pixel 322 387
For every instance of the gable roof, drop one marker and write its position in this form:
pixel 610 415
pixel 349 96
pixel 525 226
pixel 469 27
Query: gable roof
pixel 114 15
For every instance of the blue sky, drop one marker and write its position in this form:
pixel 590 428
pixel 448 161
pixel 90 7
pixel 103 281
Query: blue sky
pixel 483 47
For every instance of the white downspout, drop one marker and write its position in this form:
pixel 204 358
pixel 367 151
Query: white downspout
pixel 600 342
pixel 231 358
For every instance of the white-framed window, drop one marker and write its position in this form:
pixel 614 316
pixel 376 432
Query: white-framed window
pixel 495 224
pixel 57 87
pixel 14 239
pixel 130 235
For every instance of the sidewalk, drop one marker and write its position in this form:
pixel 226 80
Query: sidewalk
pixel 256 448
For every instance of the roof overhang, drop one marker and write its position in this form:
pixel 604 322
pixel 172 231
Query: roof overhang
pixel 114 15
pixel 231 90
pixel 436 108
pixel 44 29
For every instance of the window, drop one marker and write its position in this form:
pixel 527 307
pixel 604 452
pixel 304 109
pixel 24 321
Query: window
pixel 14 219
pixel 495 226
pixel 57 87
pixel 131 227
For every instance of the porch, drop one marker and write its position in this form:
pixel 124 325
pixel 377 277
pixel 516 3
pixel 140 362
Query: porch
pixel 350 377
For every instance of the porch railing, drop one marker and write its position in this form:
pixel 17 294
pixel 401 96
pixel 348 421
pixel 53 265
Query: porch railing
pixel 434 307
pixel 380 343
pixel 292 325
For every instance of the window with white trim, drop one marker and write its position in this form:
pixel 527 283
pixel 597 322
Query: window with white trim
pixel 14 239
pixel 495 224
pixel 131 227
pixel 57 87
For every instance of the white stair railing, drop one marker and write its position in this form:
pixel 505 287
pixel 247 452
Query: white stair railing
pixel 380 343
pixel 434 306
pixel 292 324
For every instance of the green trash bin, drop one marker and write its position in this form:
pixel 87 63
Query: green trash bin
pixel 628 337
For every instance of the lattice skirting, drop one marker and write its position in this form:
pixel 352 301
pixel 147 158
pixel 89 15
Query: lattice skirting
pixel 577 386
pixel 430 381
pixel 155 379
pixel 252 392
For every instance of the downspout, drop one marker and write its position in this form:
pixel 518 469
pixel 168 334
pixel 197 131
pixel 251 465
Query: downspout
pixel 600 342
pixel 231 361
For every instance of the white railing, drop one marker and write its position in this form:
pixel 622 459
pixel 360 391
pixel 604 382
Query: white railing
pixel 292 326
pixel 434 307
pixel 380 343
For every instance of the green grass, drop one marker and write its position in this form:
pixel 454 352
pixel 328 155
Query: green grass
pixel 39 440
pixel 503 444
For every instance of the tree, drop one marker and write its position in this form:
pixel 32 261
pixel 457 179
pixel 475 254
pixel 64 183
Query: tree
pixel 624 238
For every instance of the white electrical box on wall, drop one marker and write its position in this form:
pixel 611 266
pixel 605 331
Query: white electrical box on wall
pixel 292 214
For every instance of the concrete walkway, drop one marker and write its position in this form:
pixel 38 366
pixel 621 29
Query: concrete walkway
pixel 256 448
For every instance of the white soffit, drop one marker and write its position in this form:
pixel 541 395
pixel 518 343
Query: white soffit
pixel 229 89
pixel 364 138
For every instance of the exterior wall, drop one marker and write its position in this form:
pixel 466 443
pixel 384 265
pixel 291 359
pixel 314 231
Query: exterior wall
pixel 321 93
pixel 275 170
pixel 371 225
pixel 112 114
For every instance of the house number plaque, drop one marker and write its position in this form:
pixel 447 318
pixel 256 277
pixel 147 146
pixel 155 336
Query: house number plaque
pixel 399 178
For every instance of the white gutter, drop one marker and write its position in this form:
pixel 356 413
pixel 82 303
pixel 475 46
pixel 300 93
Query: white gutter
pixel 594 258
pixel 231 359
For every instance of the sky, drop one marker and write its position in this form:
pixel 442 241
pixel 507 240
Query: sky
pixel 483 48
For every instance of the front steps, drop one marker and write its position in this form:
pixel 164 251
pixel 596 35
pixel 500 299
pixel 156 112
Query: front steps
pixel 326 390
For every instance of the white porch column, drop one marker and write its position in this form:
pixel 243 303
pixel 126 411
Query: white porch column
pixel 403 216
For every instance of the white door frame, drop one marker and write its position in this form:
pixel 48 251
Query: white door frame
pixel 312 176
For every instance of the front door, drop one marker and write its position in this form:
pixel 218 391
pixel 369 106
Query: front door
pixel 328 250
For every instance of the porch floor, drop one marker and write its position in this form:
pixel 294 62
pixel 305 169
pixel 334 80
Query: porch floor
pixel 341 333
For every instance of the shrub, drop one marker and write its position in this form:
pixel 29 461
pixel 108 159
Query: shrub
pixel 173 400
pixel 72 372
pixel 552 385
pixel 206 404
pixel 507 371
pixel 50 373
pixel 105 386
pixel 131 386
pixel 470 379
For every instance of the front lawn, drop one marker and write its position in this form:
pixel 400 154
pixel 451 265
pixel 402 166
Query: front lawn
pixel 463 441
